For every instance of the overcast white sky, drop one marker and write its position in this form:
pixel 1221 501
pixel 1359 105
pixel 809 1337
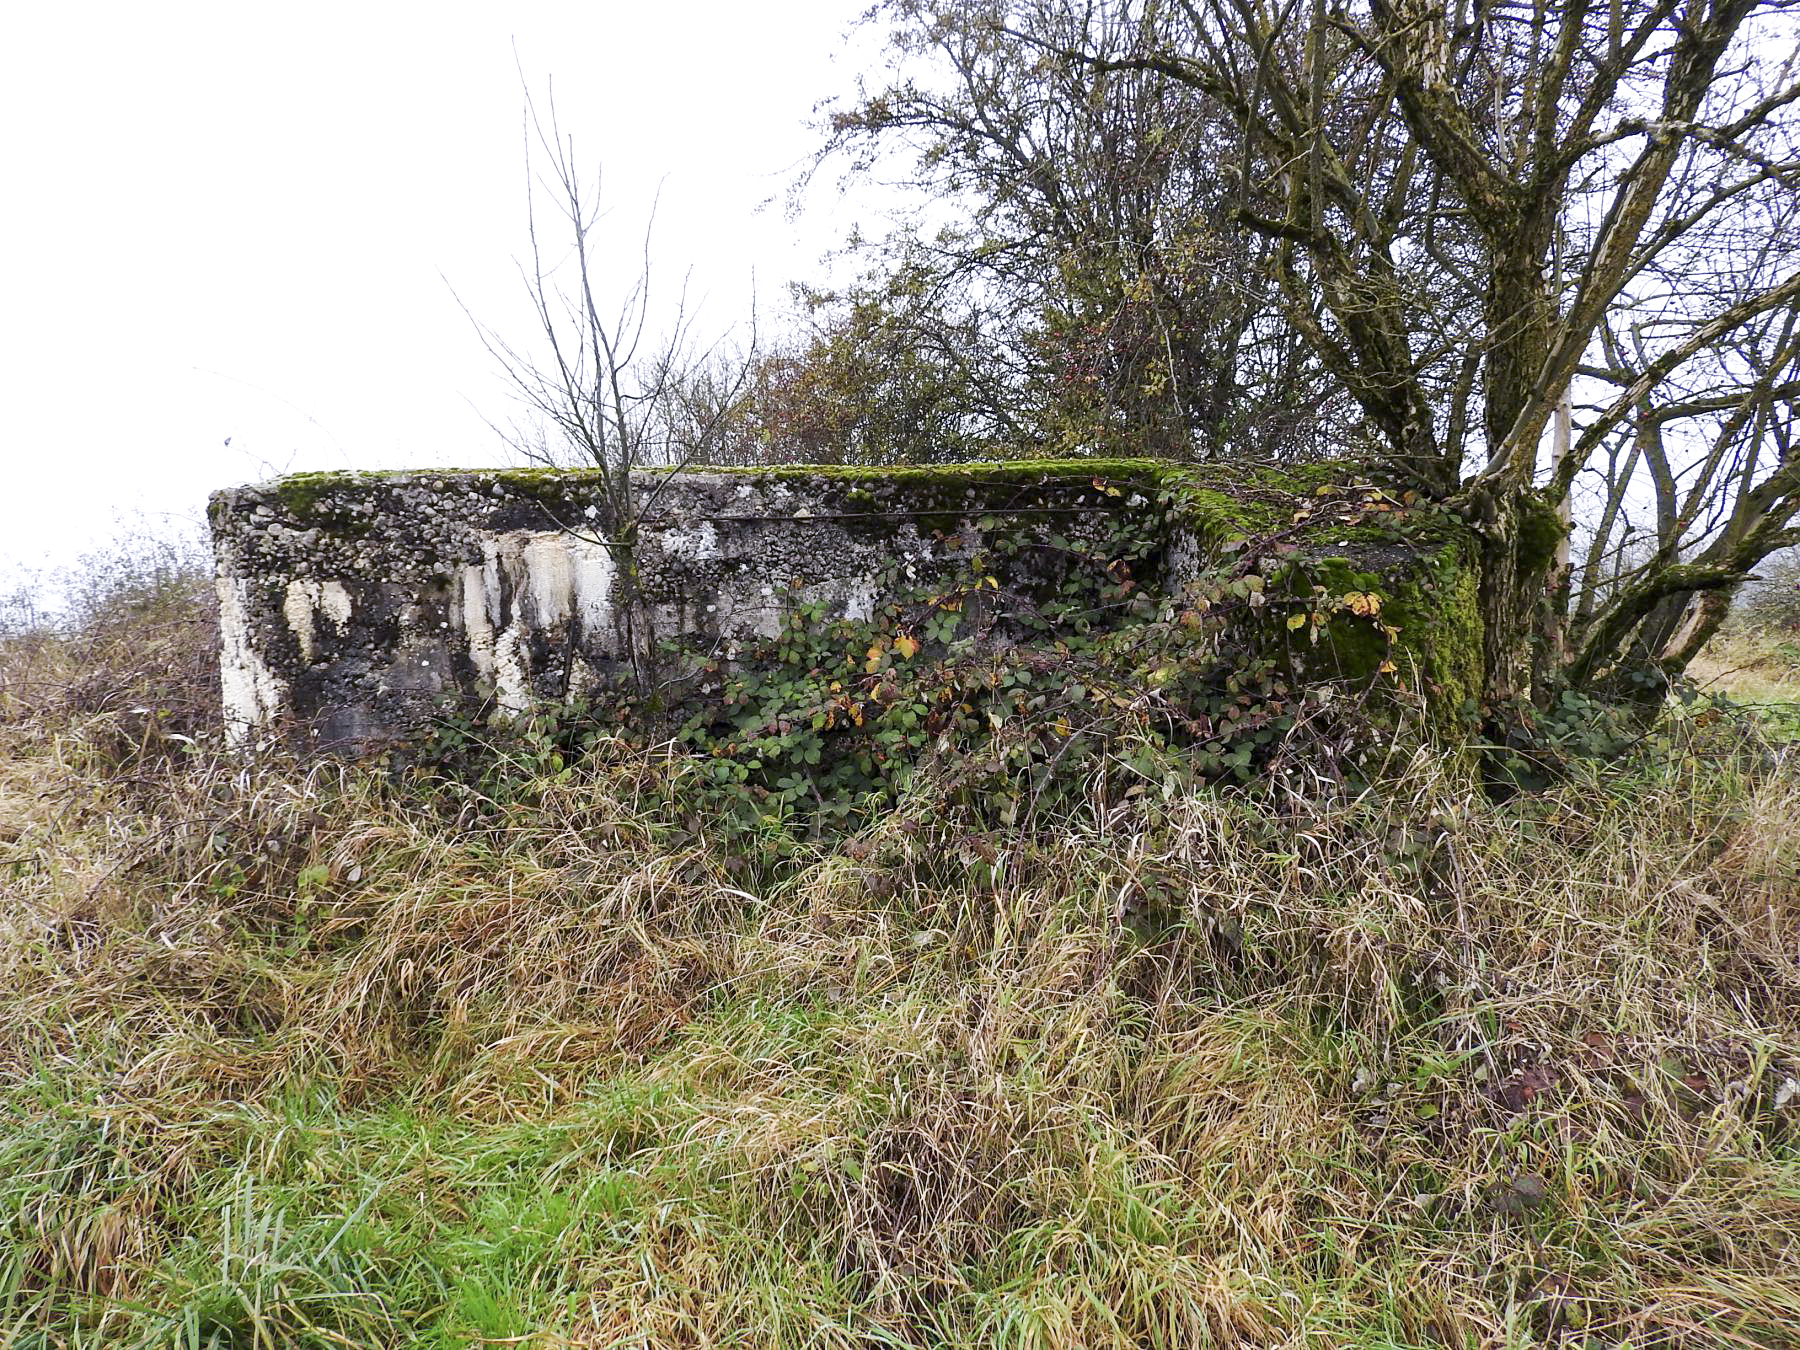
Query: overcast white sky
pixel 236 222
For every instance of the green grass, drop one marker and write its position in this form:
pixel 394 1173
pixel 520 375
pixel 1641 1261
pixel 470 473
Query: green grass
pixel 301 1057
pixel 1757 669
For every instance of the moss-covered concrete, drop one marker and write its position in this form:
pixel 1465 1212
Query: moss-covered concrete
pixel 1412 616
pixel 1365 586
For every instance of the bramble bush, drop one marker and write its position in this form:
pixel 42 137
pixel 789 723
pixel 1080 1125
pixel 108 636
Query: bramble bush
pixel 123 646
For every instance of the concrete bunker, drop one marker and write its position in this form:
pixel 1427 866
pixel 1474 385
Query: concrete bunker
pixel 355 606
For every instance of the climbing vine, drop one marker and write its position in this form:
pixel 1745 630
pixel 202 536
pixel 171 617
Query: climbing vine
pixel 1089 687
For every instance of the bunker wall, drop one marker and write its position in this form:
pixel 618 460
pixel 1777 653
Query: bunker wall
pixel 353 605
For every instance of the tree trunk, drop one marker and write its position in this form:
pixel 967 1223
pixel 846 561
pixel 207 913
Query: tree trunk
pixel 1519 532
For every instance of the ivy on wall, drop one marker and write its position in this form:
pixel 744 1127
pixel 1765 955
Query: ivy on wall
pixel 1019 701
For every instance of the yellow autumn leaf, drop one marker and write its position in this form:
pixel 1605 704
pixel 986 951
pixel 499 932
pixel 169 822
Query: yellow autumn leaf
pixel 873 663
pixel 1387 667
pixel 907 646
pixel 1296 621
pixel 1362 603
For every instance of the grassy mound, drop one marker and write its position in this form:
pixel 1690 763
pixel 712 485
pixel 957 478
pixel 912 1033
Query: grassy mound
pixel 318 1055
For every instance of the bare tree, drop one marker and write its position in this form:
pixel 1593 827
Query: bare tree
pixel 1700 474
pixel 1078 252
pixel 599 387
pixel 1483 217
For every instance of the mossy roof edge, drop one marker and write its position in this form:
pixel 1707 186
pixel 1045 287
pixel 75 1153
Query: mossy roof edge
pixel 1225 499
pixel 1221 476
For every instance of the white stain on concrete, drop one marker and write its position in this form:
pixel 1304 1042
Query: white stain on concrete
pixel 305 600
pixel 859 599
pixel 472 609
pixel 253 696
pixel 531 583
pixel 698 542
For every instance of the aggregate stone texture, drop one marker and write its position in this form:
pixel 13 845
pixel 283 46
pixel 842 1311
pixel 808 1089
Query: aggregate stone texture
pixel 354 607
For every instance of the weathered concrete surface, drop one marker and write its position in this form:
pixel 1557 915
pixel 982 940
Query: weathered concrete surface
pixel 353 606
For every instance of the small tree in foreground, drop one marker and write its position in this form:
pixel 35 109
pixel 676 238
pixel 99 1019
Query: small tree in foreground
pixel 598 389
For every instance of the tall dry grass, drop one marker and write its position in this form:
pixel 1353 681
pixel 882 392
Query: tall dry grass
pixel 317 1055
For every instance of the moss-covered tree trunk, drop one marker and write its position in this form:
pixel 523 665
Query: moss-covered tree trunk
pixel 1519 532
